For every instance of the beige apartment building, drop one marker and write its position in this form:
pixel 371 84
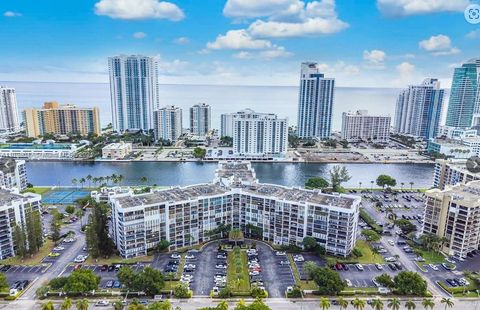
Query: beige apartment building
pixel 61 119
pixel 454 213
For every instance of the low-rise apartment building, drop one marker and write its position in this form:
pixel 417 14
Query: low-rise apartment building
pixel 40 151
pixel 13 173
pixel 454 213
pixel 13 210
pixel 360 126
pixel 451 172
pixel 186 216
pixel 116 150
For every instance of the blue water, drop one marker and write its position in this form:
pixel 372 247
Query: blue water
pixel 223 99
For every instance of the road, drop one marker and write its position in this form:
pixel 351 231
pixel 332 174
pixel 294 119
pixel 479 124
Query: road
pixel 60 263
pixel 273 303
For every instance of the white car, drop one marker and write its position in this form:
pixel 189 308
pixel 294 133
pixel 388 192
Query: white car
pixel 349 283
pixel 434 267
pixel 220 266
pixel 190 266
pixel 391 242
pixel 280 253
pixel 298 258
pixel 102 303
pixel 379 266
pixel 390 259
pixel 58 248
pixel 175 256
pixel 359 267
pixel 254 273
pixel 190 256
pixel 80 259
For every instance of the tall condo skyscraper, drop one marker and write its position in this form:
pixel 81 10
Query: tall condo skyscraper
pixel 200 119
pixel 419 108
pixel 464 96
pixel 259 134
pixel 133 91
pixel 168 123
pixel 315 102
pixel 8 110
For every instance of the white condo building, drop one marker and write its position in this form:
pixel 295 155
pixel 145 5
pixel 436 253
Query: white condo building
pixel 133 91
pixel 185 216
pixel 8 110
pixel 13 173
pixel 13 210
pixel 200 119
pixel 419 108
pixel 315 102
pixel 168 123
pixel 226 125
pixel 259 134
pixel 359 126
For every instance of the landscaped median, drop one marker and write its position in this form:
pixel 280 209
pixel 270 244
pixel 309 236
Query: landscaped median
pixel 237 272
pixel 303 284
pixel 471 290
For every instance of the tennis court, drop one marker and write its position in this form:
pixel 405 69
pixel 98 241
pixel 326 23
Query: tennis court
pixel 63 196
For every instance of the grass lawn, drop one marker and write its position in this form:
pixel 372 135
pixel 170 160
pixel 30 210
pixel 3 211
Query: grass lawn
pixel 29 261
pixel 360 290
pixel 470 290
pixel 170 285
pixel 368 256
pixel 38 190
pixel 181 265
pixel 237 271
pixel 118 260
pixel 430 257
pixel 304 285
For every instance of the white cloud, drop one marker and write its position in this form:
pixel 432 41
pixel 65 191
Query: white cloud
pixel 12 14
pixel 438 45
pixel 182 41
pixel 375 57
pixel 139 35
pixel 405 68
pixel 278 52
pixel 237 40
pixel 395 8
pixel 287 18
pixel 139 9
pixel 474 34
pixel 340 68
pixel 173 68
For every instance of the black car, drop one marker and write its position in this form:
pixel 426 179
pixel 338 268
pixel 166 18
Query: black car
pixel 392 267
pixel 345 267
pixel 398 265
pixel 111 268
pixel 5 268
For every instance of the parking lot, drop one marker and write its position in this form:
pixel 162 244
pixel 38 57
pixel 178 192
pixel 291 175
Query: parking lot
pixel 308 257
pixel 21 273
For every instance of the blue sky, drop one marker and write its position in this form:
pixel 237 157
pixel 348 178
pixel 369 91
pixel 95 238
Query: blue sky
pixel 367 43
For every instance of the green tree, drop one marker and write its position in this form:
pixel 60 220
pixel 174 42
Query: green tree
pixel 98 238
pixel 310 267
pixel 428 303
pixel 394 304
pixel 163 245
pixel 55 228
pixel 199 152
pixel 405 226
pixel 316 182
pixel 410 283
pixel 385 280
pixel 338 175
pixel 371 235
pixel 410 304
pixel 329 281
pixel 48 306
pixel 81 281
pixel 182 291
pixel 19 239
pixel 358 304
pixel 377 304
pixel 148 280
pixel 386 180
pixel 67 304
pixel 3 282
pixel 118 305
pixel 165 305
pixel 325 303
pixel 447 302
pixel 342 303
pixel 82 304
pixel 70 209
pixel 309 243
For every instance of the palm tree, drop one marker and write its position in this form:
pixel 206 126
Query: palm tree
pixel 82 181
pixel 143 179
pixel 394 304
pixel 358 304
pixel 120 179
pixel 74 181
pixel 360 185
pixel 377 304
pixel 342 302
pixel 410 304
pixel 411 185
pixel 428 303
pixel 371 187
pixel 80 213
pixel 118 305
pixel 223 305
pixel 325 303
pixel 448 302
pixel 48 306
pixel 89 179
pixel 402 184
pixel 82 304
pixel 67 304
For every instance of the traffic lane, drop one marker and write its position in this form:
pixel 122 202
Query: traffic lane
pixel 203 279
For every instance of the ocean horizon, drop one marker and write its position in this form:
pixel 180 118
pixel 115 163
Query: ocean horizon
pixel 282 100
